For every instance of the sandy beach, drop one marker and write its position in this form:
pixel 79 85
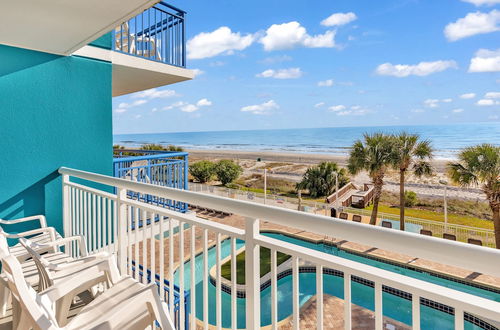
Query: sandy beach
pixel 291 166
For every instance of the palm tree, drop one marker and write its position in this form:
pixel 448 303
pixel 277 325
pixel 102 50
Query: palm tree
pixel 320 180
pixel 480 164
pixel 410 153
pixel 375 155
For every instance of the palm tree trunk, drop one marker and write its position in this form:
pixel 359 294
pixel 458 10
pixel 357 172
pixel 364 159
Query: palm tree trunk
pixel 402 200
pixel 496 224
pixel 377 192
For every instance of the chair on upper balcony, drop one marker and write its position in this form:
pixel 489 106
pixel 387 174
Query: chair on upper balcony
pixel 128 304
pixel 131 43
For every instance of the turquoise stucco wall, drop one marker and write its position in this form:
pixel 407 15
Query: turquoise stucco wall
pixel 105 41
pixel 54 111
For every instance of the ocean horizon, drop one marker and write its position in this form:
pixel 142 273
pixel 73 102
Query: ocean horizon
pixel 447 139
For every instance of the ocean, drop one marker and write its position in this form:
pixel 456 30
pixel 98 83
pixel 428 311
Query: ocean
pixel 447 140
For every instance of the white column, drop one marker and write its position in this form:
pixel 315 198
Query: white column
pixel 252 274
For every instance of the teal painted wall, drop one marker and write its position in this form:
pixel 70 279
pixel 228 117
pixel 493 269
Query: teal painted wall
pixel 54 111
pixel 105 41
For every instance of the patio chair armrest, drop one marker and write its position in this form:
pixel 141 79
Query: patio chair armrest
pixel 83 278
pixel 41 218
pixel 49 230
pixel 62 241
pixel 61 269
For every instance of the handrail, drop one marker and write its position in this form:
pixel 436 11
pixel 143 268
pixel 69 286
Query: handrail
pixel 471 257
pixel 163 154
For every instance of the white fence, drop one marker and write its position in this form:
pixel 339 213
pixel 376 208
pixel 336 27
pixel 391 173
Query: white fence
pixel 462 233
pixel 133 229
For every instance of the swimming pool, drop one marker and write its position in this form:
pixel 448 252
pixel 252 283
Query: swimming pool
pixel 396 306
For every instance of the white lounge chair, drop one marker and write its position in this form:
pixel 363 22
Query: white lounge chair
pixel 126 305
pixel 128 42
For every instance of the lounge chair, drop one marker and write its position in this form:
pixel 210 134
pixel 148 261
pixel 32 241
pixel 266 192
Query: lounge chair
pixel 475 241
pixel 386 224
pixel 356 218
pixel 449 236
pixel 128 304
pixel 343 216
pixel 426 232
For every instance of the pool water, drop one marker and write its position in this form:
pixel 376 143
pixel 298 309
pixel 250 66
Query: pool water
pixel 395 307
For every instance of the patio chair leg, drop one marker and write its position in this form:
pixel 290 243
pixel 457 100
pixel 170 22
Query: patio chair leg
pixel 5 297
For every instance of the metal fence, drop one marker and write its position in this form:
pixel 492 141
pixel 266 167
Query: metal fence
pixel 462 233
pixel 167 169
pixel 158 34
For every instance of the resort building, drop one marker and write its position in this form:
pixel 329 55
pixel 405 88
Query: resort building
pixel 60 65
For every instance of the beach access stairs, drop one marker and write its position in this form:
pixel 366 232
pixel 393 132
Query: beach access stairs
pixel 352 196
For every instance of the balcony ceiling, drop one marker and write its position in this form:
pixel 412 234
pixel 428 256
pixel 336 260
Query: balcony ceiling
pixel 62 26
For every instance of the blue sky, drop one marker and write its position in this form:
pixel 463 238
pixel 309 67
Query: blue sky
pixel 287 64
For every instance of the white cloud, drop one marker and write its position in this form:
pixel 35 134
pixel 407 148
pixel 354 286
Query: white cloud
pixel 492 95
pixel 418 110
pixel 447 100
pixel 325 83
pixel 338 19
pixel 431 103
pixel 319 105
pixel 292 34
pixel 483 2
pixel 189 108
pixel 420 69
pixel 291 73
pixel 138 116
pixel 154 93
pixel 457 110
pixel 472 24
pixel 487 102
pixel 485 61
pixel 221 41
pixel 154 109
pixel 120 110
pixel 217 63
pixel 261 109
pixel 468 96
pixel 354 110
pixel 494 117
pixel 276 59
pixel 337 108
pixel 204 103
pixel 123 106
pixel 356 107
pixel 197 72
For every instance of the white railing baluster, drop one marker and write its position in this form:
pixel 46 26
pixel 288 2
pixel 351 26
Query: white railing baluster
pixel 152 252
pixel 171 298
pixel 129 220
pixel 162 258
pixel 415 308
pixel 205 279
pixel 80 215
pixel 66 207
pixel 182 308
pixel 252 273
pixel 192 292
pixel 115 219
pixel 296 293
pixel 347 301
pixel 234 284
pixel 144 247
pixel 121 193
pixel 218 292
pixel 93 226
pixel 87 219
pixel 99 221
pixel 379 318
pixel 319 297
pixel 274 290
pixel 135 219
pixel 459 318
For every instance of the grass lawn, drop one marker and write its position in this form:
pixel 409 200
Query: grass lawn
pixel 438 216
pixel 265 265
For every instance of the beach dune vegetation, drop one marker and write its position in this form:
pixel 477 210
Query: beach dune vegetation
pixel 480 166
pixel 320 180
pixel 227 171
pixel 202 171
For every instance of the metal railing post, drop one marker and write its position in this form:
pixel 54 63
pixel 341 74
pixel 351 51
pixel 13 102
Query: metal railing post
pixel 252 274
pixel 121 194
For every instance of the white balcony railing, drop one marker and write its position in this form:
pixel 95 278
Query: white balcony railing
pixel 130 228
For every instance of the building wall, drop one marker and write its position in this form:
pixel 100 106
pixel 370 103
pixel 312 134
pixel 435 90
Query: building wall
pixel 54 111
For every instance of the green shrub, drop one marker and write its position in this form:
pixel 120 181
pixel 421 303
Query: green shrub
pixel 227 171
pixel 411 198
pixel 202 171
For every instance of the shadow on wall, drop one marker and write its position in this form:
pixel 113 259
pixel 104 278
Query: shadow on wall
pixel 14 59
pixel 30 201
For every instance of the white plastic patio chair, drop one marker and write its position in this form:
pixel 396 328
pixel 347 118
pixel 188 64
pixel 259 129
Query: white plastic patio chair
pixel 128 304
pixel 43 234
pixel 128 42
